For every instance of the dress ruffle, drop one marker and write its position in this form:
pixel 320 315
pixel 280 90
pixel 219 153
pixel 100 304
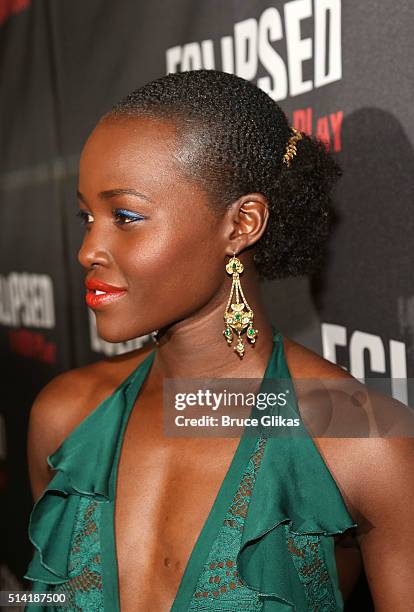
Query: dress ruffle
pixel 83 463
pixel 293 488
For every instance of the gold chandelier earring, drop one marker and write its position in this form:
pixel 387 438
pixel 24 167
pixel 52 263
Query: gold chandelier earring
pixel 238 315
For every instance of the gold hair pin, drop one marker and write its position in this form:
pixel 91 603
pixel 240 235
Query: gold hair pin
pixel 291 147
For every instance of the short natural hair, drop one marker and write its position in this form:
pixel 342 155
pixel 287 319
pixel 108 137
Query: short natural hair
pixel 236 137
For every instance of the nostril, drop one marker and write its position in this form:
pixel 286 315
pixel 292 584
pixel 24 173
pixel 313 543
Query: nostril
pixel 90 257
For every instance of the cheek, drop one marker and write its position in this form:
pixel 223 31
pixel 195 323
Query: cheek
pixel 177 266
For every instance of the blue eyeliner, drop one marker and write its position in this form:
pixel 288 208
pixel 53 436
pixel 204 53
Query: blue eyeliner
pixel 128 214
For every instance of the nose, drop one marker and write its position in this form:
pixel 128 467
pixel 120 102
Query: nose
pixel 91 253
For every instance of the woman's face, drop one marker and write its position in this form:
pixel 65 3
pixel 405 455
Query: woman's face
pixel 147 229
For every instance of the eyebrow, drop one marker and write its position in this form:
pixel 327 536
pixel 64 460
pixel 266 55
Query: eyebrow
pixel 112 193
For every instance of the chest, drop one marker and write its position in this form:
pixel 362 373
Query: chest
pixel 165 490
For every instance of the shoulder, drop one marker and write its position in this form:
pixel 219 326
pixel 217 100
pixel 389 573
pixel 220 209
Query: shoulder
pixel 361 450
pixel 305 363
pixel 69 397
pixel 373 470
pixel 67 400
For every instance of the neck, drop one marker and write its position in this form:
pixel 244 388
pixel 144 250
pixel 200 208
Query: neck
pixel 196 347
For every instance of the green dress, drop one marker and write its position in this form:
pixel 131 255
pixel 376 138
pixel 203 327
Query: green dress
pixel 267 544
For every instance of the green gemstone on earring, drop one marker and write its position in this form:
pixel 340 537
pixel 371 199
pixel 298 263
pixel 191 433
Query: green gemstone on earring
pixel 237 317
pixel 250 331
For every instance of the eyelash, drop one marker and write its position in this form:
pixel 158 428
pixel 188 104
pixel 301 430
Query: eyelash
pixel 118 212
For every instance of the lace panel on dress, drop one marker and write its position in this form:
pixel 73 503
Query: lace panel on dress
pixel 84 588
pixel 219 586
pixel 307 555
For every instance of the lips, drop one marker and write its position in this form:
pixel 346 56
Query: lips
pixel 100 293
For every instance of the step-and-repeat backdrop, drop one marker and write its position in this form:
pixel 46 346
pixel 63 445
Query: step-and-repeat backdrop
pixel 340 70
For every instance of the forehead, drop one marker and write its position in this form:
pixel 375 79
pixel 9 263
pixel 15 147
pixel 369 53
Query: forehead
pixel 140 150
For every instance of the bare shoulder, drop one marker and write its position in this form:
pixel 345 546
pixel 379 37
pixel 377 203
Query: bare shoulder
pixel 365 456
pixel 67 400
pixel 305 363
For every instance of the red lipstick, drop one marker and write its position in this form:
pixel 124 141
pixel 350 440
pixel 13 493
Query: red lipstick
pixel 100 293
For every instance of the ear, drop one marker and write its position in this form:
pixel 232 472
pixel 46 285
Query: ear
pixel 246 221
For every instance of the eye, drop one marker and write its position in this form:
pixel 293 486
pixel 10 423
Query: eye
pixel 83 215
pixel 123 216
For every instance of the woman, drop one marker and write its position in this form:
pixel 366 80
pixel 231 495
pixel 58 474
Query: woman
pixel 192 178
